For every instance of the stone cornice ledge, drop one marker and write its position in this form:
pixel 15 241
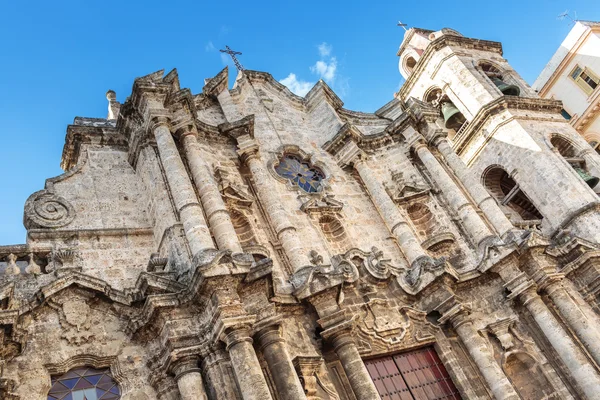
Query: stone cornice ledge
pixel 77 135
pixel 497 106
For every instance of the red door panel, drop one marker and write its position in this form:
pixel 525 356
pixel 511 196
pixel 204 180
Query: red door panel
pixel 414 375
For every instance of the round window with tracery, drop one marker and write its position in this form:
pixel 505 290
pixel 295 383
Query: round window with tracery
pixel 84 384
pixel 300 173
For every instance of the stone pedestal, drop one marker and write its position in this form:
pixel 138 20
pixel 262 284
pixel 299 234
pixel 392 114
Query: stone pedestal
pixel 356 371
pixel 190 211
pixel 280 364
pixel 189 379
pixel 497 381
pixel 480 195
pixel 390 214
pixel 246 367
pixel 210 196
pixel 472 222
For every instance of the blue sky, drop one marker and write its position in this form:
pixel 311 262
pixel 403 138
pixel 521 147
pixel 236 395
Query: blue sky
pixel 60 58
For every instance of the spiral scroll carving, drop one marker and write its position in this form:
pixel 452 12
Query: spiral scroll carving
pixel 47 210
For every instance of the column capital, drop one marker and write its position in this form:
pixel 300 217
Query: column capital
pixel 453 311
pixel 238 334
pixel 159 119
pixel 185 365
pixel 419 145
pixel 521 286
pixel 439 136
pixel 269 336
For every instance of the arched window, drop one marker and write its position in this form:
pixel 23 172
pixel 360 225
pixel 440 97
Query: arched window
pixel 422 219
pixel 498 79
pixel 409 64
pixel 85 383
pixel 242 228
pixel 300 173
pixel 334 232
pixel 571 155
pixel 508 193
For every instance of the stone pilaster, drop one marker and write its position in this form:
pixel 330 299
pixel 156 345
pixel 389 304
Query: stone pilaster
pixel 459 203
pixel 389 212
pixel 573 358
pixel 480 195
pixel 219 372
pixel 189 379
pixel 338 331
pixel 280 364
pixel 456 314
pixel 216 211
pixel 269 198
pixel 246 367
pixel 190 211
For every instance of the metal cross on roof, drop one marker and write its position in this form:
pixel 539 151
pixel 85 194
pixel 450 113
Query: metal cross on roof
pixel 402 25
pixel 232 54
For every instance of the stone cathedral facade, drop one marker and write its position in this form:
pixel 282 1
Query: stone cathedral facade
pixel 248 243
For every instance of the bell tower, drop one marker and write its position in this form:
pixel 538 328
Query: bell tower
pixel 502 131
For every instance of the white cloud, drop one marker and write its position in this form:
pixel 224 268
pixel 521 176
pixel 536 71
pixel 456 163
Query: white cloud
pixel 297 86
pixel 209 47
pixel 325 69
pixel 324 49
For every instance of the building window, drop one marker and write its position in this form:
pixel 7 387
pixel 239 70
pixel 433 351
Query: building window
pixel 585 79
pixel 84 383
pixel 508 194
pixel 595 145
pixel 565 114
pixel 300 173
pixel 417 374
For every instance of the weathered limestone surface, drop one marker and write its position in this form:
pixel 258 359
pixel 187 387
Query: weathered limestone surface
pixel 247 243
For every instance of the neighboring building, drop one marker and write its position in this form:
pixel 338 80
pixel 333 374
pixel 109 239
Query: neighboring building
pixel 248 243
pixel 573 77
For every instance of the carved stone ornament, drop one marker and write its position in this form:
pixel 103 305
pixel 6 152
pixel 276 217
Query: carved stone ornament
pixel 320 204
pixel 373 262
pixel 317 277
pixel 234 193
pixel 421 265
pixel 47 210
pixel 75 316
pixel 405 188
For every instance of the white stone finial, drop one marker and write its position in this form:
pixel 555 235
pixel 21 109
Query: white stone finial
pixel 113 105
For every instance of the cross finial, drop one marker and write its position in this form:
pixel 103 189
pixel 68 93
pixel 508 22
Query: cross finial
pixel 232 54
pixel 402 25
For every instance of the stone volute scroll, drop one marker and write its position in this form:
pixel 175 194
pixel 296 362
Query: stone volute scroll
pixel 44 209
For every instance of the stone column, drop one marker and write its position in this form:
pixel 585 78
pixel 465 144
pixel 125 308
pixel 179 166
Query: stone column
pixel 216 211
pixel 189 379
pixel 280 364
pixel 478 348
pixel 356 371
pixel 571 355
pixel 584 325
pixel 286 232
pixel 246 367
pixel 480 195
pixel 456 198
pixel 388 210
pixel 190 211
pixel 217 367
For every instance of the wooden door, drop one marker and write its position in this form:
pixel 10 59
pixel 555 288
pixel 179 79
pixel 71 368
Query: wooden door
pixel 414 375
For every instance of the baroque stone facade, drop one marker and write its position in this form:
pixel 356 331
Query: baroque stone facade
pixel 248 243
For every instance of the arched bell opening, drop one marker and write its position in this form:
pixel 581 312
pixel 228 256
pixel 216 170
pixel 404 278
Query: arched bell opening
pixel 571 155
pixel 509 194
pixel 497 77
pixel 453 118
